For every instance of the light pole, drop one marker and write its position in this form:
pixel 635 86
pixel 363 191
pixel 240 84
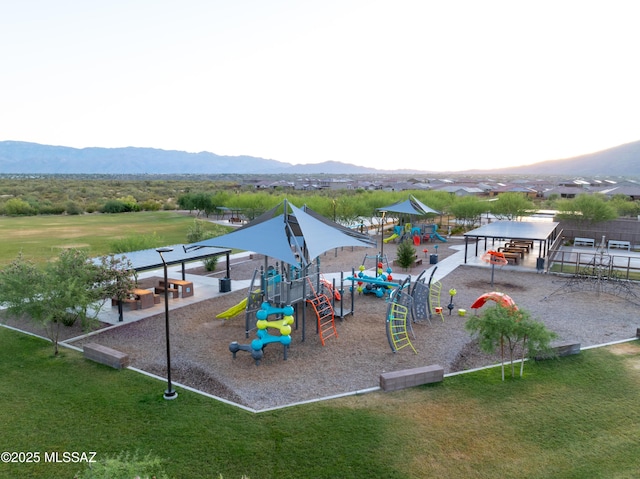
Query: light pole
pixel 170 393
pixel 382 221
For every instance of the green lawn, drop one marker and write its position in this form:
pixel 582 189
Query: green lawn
pixel 576 417
pixel 42 237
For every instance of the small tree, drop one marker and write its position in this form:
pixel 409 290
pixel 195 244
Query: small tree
pixel 406 254
pixel 468 209
pixel 64 291
pixel 587 209
pixel 507 326
pixel 511 206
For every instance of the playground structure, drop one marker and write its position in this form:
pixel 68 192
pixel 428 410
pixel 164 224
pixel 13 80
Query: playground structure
pixel 398 326
pixel 500 298
pixel 285 290
pixel 379 285
pixel 326 325
pixel 417 234
pixel 264 337
pixel 494 258
pixel 409 304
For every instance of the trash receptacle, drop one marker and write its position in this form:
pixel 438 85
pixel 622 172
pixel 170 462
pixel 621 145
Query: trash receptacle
pixel 225 285
pixel 433 259
pixel 540 264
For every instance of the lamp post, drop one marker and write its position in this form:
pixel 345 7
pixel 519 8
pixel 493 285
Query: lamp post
pixel 170 393
pixel 382 221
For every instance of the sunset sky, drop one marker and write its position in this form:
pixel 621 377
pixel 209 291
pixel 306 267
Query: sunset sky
pixel 434 85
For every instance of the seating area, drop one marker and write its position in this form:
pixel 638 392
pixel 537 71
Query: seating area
pixel 626 245
pixel 584 242
pixel 515 250
pixel 150 291
pixel 178 287
pixel 137 299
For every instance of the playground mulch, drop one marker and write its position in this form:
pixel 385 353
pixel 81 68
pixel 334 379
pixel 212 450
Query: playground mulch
pixel 355 359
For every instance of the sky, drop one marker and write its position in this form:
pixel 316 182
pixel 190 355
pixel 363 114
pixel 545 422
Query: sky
pixel 435 85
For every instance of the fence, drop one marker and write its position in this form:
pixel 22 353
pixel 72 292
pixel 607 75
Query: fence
pixel 619 230
pixel 594 262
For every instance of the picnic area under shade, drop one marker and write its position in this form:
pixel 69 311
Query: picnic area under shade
pixel 545 233
pixel 149 259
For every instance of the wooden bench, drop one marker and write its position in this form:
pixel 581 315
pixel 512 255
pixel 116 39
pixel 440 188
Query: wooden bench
pixel 184 287
pixel 104 355
pixel 619 244
pixel 406 378
pixel 507 249
pixel 131 303
pixel 516 244
pixel 512 257
pixel 137 299
pixel 517 249
pixel 527 243
pixel 584 242
pixel 173 292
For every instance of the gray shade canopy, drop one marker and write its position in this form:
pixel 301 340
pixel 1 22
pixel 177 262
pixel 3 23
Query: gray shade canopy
pixel 410 206
pixel 296 230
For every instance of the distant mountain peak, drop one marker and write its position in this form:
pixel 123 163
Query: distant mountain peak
pixel 33 158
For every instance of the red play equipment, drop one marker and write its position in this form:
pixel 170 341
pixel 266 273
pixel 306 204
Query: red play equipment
pixel 494 257
pixel 500 298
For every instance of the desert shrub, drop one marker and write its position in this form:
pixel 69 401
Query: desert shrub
pixel 210 263
pixel 18 207
pixel 73 208
pixel 150 205
pixel 114 206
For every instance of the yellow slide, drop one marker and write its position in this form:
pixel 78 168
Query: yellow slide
pixel 392 237
pixel 233 310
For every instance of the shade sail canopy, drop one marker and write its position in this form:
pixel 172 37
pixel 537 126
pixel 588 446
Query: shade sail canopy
pixel 410 206
pixel 293 231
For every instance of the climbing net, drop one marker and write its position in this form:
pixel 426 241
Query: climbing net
pixel 600 276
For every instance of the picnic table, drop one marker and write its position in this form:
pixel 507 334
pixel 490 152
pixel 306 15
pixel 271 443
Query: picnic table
pixel 514 250
pixel 177 286
pixel 137 298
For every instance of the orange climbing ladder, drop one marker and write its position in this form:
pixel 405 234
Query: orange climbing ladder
pixel 324 312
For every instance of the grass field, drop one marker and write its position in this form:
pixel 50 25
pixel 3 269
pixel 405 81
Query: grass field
pixel 576 417
pixel 42 237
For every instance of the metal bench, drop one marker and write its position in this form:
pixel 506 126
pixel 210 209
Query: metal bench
pixel 619 244
pixel 584 242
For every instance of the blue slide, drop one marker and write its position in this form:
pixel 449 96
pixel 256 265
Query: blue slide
pixel 437 235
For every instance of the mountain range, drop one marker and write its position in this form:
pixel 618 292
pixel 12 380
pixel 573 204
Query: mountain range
pixel 17 157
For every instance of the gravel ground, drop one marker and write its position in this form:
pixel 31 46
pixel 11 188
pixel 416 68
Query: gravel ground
pixel 355 359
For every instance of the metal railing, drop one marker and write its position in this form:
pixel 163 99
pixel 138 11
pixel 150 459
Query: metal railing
pixel 572 262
